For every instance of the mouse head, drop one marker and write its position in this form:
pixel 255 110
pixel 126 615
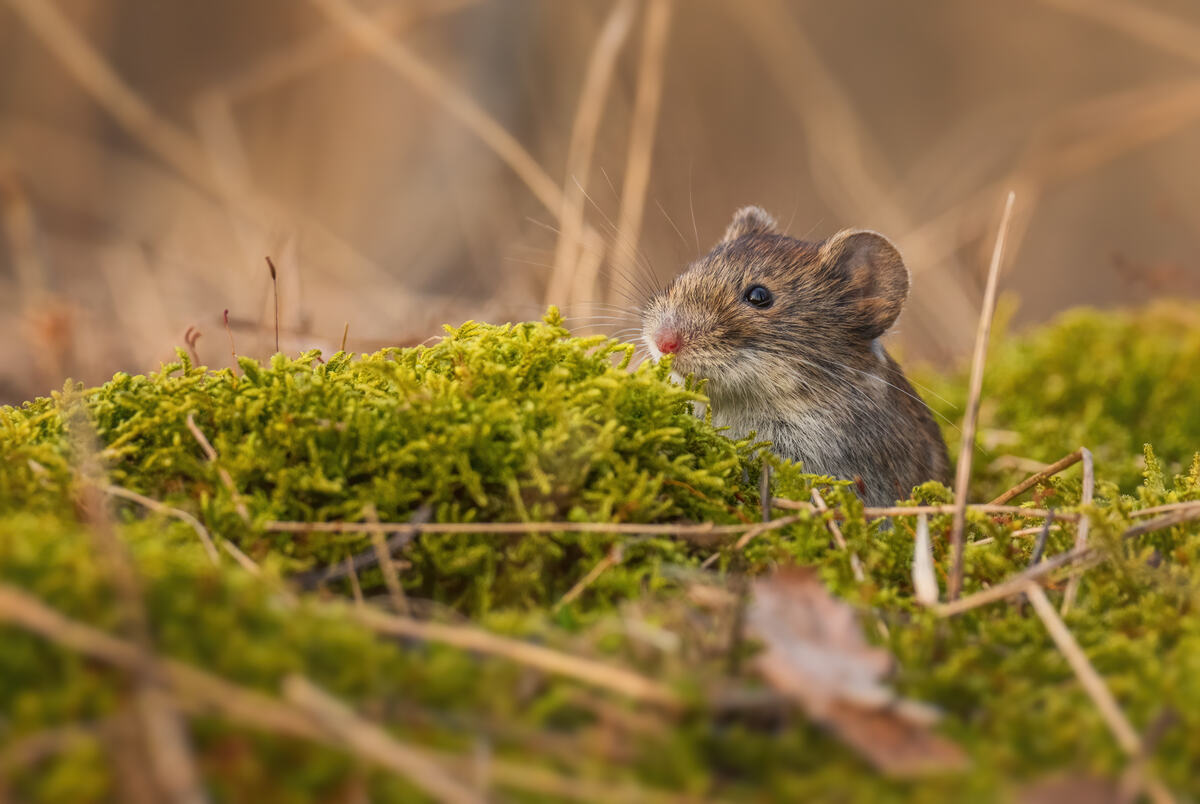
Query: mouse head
pixel 763 309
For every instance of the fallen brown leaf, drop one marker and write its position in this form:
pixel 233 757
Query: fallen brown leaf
pixel 1065 789
pixel 815 654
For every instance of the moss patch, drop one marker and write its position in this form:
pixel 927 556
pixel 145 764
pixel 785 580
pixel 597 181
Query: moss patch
pixel 524 423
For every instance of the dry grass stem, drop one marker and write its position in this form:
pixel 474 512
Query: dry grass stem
pixel 971 417
pixel 597 674
pixel 1127 738
pixel 1080 139
pixel 1086 554
pixel 764 492
pixel 159 729
pixel 430 83
pixel 1163 509
pixel 851 172
pixel 154 505
pixel 369 740
pixel 1023 532
pixel 168 142
pixel 34 748
pixel 694 530
pixel 222 472
pixel 1081 534
pixel 297 59
pixel 18 224
pixel 96 76
pixel 651 69
pixel 592 98
pixel 836 531
pixel 914 510
pixel 383 552
pixel 611 560
pixel 355 586
pixel 749 534
pixel 1029 482
pixel 201 693
pixel 1168 33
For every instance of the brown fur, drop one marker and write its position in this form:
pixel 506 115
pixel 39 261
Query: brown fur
pixel 808 373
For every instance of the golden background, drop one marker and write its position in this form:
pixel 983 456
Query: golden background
pixel 408 164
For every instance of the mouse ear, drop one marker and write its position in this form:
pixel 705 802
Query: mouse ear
pixel 750 220
pixel 874 276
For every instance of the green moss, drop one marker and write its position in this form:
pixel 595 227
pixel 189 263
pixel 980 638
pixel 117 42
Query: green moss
pixel 1111 381
pixel 524 423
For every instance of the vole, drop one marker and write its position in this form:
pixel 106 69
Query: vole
pixel 787 334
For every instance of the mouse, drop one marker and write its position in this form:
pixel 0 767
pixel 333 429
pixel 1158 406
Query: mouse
pixel 786 334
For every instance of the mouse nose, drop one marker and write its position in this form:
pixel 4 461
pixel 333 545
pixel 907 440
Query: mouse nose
pixel 668 340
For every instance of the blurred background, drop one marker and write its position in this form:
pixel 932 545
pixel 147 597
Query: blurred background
pixel 407 163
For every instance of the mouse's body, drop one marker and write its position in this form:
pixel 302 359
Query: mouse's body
pixel 787 334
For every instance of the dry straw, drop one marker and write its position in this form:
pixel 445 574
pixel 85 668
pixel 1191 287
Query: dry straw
pixel 971 418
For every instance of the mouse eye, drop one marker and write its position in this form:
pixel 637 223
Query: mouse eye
pixel 758 296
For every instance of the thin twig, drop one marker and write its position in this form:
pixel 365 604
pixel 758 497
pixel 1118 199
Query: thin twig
pixel 1162 509
pixel 764 492
pixel 31 749
pixel 202 693
pixel 642 129
pixel 749 533
pixel 226 478
pixel 1039 546
pixel 613 558
pixel 154 505
pixel 1033 480
pixel 162 731
pixel 1017 583
pixel 355 586
pixel 1081 535
pixel 592 98
pixel 971 417
pixel 369 740
pixel 914 510
pixel 383 552
pixel 693 530
pixel 401 535
pixel 1126 736
pixel 597 674
pixel 855 564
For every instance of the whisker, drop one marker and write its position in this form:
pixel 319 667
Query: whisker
pixel 673 226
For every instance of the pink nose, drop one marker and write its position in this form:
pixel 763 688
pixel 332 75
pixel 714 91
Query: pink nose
pixel 667 340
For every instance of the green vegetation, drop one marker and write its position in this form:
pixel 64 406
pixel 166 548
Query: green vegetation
pixel 524 423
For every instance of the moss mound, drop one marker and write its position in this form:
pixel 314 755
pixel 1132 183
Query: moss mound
pixel 524 423
pixel 514 423
pixel 1111 381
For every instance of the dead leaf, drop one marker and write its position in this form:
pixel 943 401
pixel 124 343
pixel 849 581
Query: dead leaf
pixel 815 653
pixel 1064 789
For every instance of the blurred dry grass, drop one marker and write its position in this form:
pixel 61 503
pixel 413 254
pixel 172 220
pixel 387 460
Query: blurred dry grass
pixel 412 163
